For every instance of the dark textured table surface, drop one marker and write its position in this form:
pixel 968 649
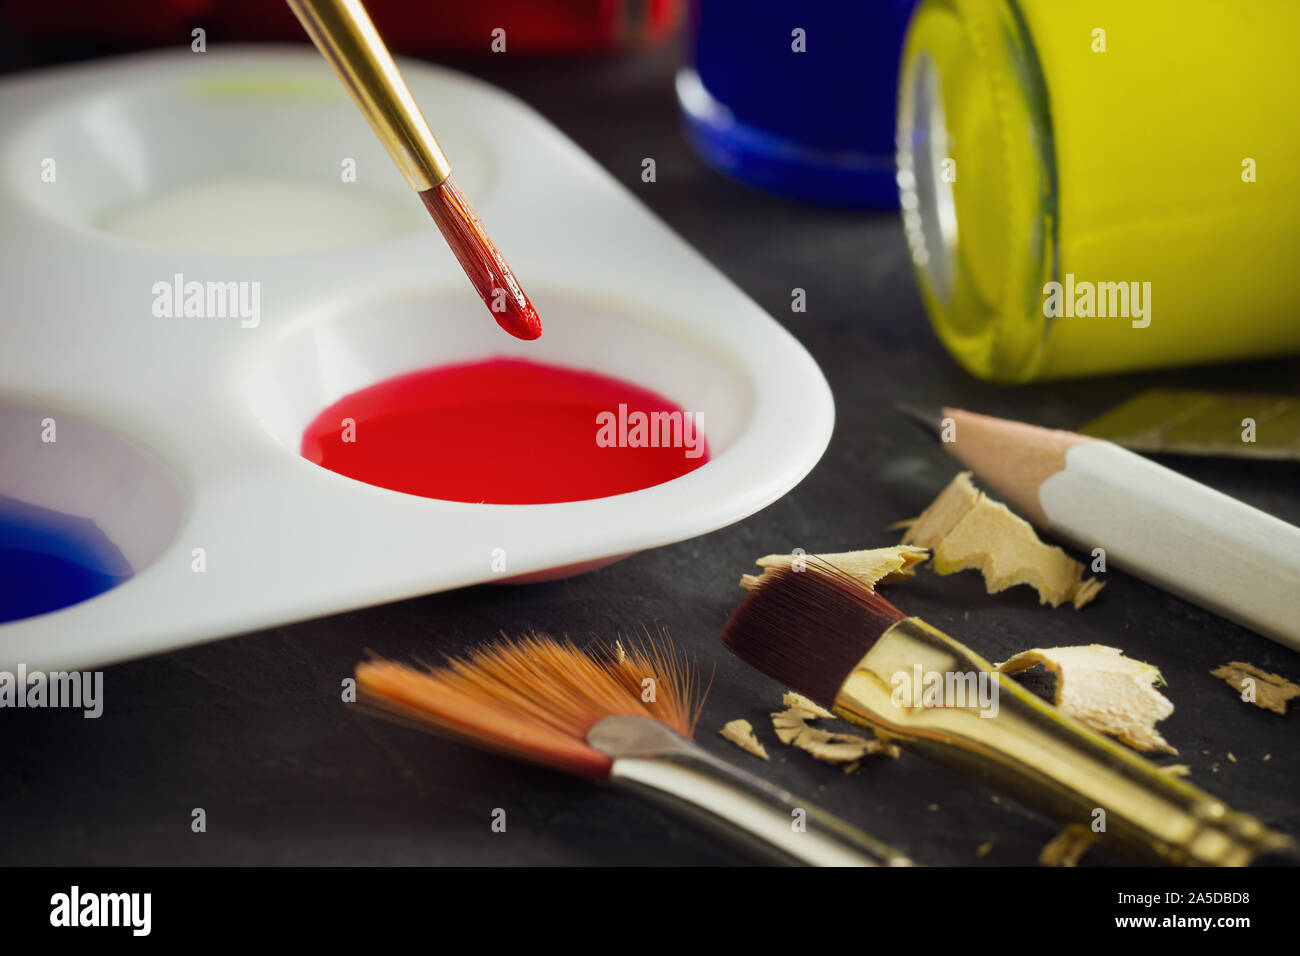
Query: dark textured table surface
pixel 252 728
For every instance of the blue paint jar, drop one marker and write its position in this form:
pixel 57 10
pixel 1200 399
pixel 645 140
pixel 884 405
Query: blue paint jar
pixel 797 99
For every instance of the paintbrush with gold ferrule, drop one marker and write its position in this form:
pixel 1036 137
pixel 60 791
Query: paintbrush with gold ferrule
pixel 349 42
pixel 825 634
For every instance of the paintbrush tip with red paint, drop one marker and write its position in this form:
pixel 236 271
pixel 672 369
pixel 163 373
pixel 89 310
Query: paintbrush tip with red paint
pixel 482 261
pixel 342 31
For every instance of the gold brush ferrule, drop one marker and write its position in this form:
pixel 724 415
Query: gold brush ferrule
pixel 342 31
pixel 1040 755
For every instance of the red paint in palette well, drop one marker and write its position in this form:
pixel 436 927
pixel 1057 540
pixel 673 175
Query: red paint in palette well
pixel 501 431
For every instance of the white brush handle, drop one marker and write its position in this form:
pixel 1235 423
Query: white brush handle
pixel 1178 534
pixel 659 764
pixel 750 811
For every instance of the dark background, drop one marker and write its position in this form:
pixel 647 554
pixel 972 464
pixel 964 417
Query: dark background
pixel 252 728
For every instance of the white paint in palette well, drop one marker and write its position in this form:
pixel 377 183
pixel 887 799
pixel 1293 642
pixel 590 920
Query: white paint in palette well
pixel 264 215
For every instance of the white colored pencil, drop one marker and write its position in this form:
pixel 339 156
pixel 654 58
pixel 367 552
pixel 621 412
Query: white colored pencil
pixel 1154 523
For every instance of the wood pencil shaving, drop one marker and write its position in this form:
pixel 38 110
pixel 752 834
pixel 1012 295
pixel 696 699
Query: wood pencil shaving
pixel 741 733
pixel 967 529
pixel 871 566
pixel 789 725
pixel 1087 590
pixel 1105 690
pixel 793 729
pixel 1068 846
pixel 1259 687
pixel 795 701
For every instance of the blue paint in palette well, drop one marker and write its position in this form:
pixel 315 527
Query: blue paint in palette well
pixel 50 560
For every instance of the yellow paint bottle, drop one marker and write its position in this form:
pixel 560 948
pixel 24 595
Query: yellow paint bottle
pixel 1103 185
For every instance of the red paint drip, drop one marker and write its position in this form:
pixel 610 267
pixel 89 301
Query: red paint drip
pixel 482 261
pixel 505 431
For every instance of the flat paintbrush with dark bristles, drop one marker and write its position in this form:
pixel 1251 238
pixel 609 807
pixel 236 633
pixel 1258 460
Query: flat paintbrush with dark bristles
pixel 827 635
pixel 624 717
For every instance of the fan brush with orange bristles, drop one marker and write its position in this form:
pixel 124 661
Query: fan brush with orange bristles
pixel 825 634
pixel 342 31
pixel 622 717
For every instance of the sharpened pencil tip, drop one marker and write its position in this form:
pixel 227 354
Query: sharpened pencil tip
pixel 928 419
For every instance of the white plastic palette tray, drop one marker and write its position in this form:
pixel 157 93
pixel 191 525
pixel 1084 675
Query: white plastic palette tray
pixel 177 434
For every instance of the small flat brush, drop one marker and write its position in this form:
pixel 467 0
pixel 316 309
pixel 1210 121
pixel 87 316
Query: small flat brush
pixel 342 31
pixel 826 635
pixel 545 701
